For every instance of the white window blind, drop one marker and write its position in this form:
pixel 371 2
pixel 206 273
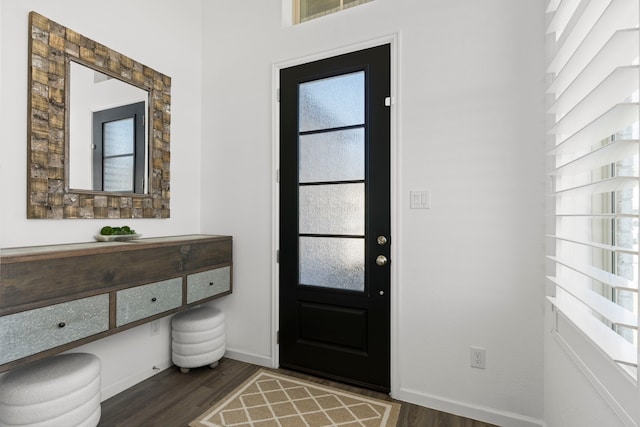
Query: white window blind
pixel 594 110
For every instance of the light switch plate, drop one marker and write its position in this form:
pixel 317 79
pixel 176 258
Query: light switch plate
pixel 420 199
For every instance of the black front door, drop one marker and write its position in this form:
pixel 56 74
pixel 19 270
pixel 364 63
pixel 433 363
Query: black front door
pixel 335 217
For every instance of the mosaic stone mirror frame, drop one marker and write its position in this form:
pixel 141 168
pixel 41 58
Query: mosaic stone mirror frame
pixel 51 47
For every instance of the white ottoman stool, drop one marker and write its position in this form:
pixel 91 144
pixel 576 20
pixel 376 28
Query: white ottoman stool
pixel 198 338
pixel 61 390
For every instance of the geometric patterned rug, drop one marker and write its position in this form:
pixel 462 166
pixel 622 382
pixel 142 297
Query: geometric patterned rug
pixel 268 399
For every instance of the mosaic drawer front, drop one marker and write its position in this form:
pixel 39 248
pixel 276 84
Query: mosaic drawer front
pixel 30 332
pixel 148 300
pixel 208 284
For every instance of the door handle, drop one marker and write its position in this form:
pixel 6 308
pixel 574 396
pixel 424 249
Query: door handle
pixel 381 260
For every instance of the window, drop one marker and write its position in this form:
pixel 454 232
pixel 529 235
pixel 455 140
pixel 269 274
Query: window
pixel 594 82
pixel 119 149
pixel 305 10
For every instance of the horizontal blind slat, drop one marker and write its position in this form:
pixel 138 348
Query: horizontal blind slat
pixel 611 248
pixel 619 149
pixel 564 52
pixel 562 16
pixel 601 276
pixel 606 308
pixel 605 186
pixel 617 117
pixel 621 49
pixel 552 6
pixel 591 33
pixel 616 88
pixel 616 347
pixel 596 215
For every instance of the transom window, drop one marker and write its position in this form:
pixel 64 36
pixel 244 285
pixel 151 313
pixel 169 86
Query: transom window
pixel 305 10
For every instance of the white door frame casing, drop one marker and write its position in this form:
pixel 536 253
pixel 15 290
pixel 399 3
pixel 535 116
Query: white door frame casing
pixel 393 40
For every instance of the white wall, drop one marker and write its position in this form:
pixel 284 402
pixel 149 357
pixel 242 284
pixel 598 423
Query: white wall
pixel 468 272
pixel 163 34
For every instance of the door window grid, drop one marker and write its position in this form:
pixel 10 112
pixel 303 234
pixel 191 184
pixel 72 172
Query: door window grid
pixel 331 193
pixel 118 155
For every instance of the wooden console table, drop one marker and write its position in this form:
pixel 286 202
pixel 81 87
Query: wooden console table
pixel 54 298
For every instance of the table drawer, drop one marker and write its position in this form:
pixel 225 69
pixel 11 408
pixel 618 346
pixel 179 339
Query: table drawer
pixel 147 300
pixel 29 332
pixel 208 283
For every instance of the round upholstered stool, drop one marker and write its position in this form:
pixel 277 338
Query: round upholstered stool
pixel 198 338
pixel 61 390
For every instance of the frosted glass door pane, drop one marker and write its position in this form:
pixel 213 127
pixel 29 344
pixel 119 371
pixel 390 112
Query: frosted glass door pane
pixel 332 102
pixel 118 137
pixel 332 262
pixel 332 209
pixel 332 156
pixel 118 174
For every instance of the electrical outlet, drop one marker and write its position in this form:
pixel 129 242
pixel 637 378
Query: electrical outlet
pixel 478 358
pixel 155 328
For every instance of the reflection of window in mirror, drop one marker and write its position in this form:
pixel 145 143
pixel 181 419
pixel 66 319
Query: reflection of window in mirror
pixel 91 92
pixel 118 149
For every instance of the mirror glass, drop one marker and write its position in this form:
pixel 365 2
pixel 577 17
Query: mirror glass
pixel 102 151
pixel 98 143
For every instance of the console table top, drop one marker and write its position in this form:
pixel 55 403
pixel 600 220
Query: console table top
pixel 16 254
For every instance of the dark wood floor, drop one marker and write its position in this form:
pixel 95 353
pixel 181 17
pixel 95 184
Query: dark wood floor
pixel 172 399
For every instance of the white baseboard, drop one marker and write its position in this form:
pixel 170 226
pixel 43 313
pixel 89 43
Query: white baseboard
pixel 140 376
pixel 255 359
pixel 134 379
pixel 476 412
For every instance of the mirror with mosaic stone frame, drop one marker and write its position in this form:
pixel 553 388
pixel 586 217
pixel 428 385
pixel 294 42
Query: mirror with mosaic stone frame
pixel 52 48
